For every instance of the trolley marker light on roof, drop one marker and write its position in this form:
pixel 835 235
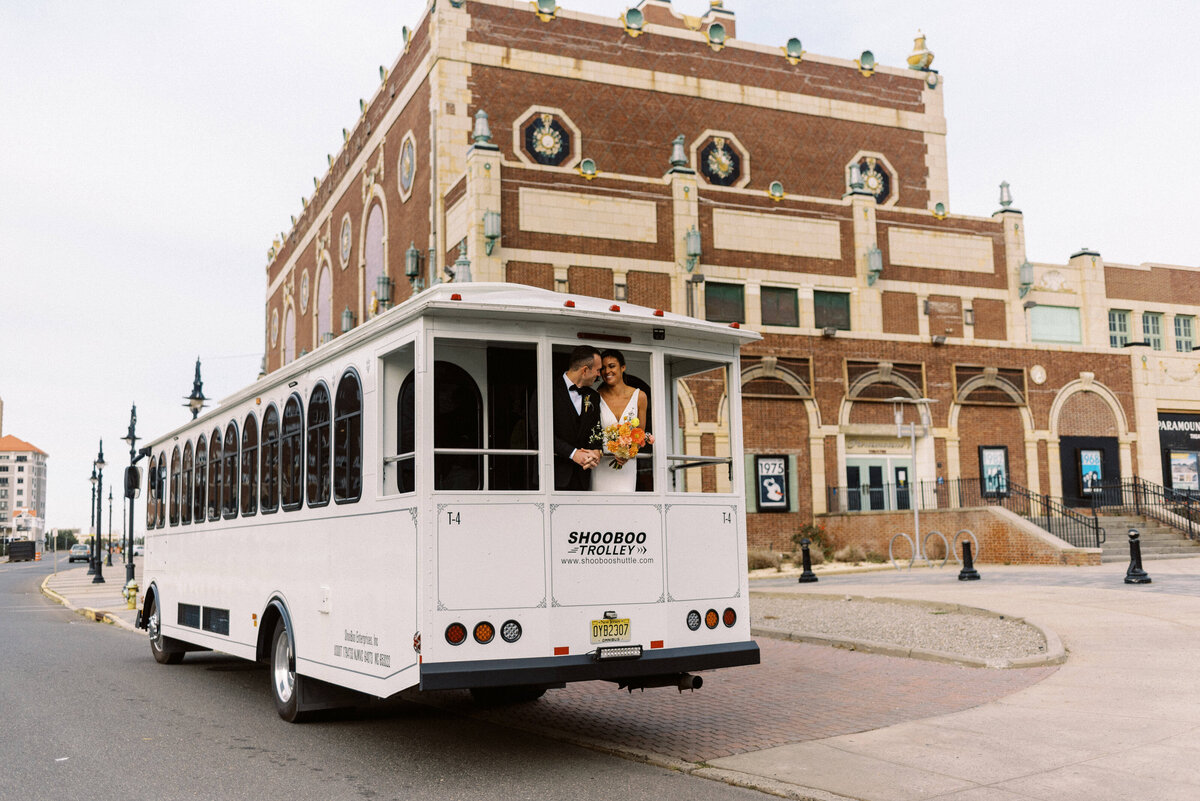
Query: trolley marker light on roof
pixel 456 296
pixel 570 304
pixel 658 312
pixel 618 652
pixel 614 307
pixel 735 325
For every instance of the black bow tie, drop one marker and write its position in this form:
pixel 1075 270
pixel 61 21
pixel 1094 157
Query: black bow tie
pixel 574 388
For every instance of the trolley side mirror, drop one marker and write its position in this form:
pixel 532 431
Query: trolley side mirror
pixel 133 482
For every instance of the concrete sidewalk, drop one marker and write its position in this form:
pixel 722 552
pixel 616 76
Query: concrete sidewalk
pixel 73 588
pixel 1120 719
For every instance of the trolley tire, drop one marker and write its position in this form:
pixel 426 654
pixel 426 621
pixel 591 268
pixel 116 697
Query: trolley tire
pixel 506 696
pixel 165 650
pixel 286 686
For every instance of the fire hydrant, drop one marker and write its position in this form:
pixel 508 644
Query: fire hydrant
pixel 130 593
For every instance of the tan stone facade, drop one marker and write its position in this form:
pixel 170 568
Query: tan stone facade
pixel 583 117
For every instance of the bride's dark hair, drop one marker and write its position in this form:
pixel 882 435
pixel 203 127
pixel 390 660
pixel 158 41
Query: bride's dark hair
pixel 616 354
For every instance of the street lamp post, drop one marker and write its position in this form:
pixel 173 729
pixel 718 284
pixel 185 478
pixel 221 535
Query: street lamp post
pixel 100 465
pixel 195 401
pixel 898 404
pixel 131 488
pixel 108 560
pixel 92 524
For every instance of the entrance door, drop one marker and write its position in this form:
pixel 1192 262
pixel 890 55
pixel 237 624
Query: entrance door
pixel 853 496
pixel 902 488
pixel 877 491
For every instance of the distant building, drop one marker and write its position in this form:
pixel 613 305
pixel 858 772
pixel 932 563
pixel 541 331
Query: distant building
pixel 22 490
pixel 656 159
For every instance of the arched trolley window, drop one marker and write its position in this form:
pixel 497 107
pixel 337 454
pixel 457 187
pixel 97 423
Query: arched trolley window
pixel 175 475
pixel 214 475
pixel 185 486
pixel 201 478
pixel 249 466
pixel 347 439
pixel 229 472
pixel 269 461
pixel 291 455
pixel 151 501
pixel 318 461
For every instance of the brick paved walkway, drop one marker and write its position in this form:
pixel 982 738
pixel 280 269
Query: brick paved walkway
pixel 800 692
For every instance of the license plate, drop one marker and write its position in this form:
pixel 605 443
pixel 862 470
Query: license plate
pixel 610 630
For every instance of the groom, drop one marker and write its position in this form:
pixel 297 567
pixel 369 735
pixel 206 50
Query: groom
pixel 576 415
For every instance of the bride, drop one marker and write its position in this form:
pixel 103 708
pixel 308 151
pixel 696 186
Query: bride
pixel 619 403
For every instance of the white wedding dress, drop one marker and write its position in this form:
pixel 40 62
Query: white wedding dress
pixel 604 477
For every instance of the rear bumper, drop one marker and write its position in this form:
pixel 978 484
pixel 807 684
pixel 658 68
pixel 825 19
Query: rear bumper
pixel 581 667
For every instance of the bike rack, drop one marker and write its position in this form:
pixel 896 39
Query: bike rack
pixel 911 546
pixel 974 547
pixel 925 544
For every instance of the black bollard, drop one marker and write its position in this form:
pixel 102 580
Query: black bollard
pixel 968 572
pixel 1135 574
pixel 806 575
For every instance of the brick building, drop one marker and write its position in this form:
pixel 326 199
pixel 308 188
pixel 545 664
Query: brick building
pixel 657 159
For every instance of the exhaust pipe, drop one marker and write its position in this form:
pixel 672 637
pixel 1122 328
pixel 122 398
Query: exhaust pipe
pixel 681 681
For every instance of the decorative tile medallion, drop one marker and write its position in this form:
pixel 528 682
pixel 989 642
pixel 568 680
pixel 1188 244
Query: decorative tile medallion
pixel 875 179
pixel 344 250
pixel 720 163
pixel 547 140
pixel 408 165
pixel 304 292
pixel 274 327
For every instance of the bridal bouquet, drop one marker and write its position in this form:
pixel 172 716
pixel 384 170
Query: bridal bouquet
pixel 622 440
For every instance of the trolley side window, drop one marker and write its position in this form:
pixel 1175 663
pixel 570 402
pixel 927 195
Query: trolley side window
pixel 229 472
pixel 151 501
pixel 291 456
pixel 699 459
pixel 185 488
pixel 214 475
pixel 269 461
pixel 347 439
pixel 161 489
pixel 318 460
pixel 198 507
pixel 175 474
pixel 249 466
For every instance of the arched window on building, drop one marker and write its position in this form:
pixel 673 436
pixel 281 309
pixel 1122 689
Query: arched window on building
pixel 324 306
pixel 347 439
pixel 289 336
pixel 373 257
pixel 318 461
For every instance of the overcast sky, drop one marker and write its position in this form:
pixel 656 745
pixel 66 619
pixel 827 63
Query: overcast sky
pixel 150 151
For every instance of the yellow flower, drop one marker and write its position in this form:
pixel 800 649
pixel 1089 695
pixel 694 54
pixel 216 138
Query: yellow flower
pixel 635 422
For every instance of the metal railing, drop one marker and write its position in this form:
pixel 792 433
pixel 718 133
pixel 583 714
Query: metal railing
pixel 1080 529
pixel 1137 496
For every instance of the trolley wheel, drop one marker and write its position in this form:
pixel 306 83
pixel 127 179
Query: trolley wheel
pixel 285 684
pixel 505 696
pixel 164 649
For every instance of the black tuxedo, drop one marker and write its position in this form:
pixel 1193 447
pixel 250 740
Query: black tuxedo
pixel 572 432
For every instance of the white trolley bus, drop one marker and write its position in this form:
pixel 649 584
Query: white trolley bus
pixel 380 514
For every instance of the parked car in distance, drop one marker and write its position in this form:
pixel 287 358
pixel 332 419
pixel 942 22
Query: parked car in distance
pixel 139 550
pixel 79 552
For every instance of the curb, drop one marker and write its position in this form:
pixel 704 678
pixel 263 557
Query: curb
pixel 98 615
pixel 1056 652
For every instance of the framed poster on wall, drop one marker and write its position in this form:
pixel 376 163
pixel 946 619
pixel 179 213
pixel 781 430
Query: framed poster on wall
pixel 1185 470
pixel 993 470
pixel 1090 471
pixel 772 483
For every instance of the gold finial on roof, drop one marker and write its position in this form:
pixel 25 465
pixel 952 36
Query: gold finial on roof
pixel 921 57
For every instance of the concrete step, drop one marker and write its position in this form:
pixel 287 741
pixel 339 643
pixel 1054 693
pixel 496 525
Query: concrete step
pixel 1107 558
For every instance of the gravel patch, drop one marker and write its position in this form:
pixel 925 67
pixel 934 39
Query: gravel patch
pixel 977 635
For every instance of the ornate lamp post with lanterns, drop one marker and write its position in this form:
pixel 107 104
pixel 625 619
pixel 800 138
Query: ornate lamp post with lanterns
pixel 132 485
pixel 99 481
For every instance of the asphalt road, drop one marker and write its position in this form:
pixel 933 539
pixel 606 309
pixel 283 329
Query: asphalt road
pixel 87 713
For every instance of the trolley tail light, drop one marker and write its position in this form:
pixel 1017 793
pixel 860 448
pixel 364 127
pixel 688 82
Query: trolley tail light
pixel 510 632
pixel 456 634
pixel 729 618
pixel 484 632
pixel 693 620
pixel 711 618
